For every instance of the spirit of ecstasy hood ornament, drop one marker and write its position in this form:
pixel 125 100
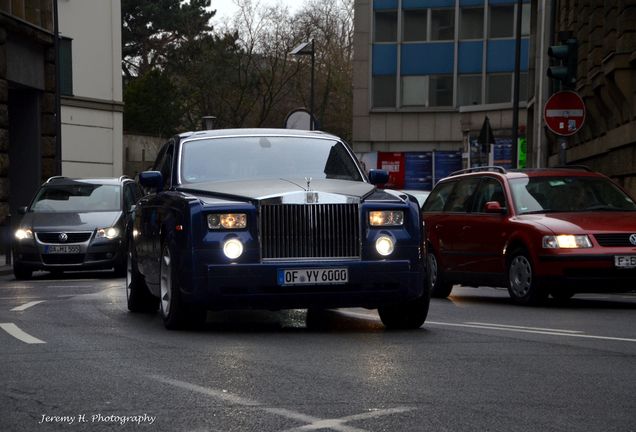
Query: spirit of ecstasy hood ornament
pixel 308 180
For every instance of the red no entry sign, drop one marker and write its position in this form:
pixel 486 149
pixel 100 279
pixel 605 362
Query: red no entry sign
pixel 564 113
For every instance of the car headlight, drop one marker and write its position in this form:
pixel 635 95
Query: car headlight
pixel 386 218
pixel 233 248
pixel 108 233
pixel 566 241
pixel 384 245
pixel 227 221
pixel 23 233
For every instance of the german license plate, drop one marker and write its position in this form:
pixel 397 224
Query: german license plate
pixel 625 261
pixel 62 249
pixel 320 276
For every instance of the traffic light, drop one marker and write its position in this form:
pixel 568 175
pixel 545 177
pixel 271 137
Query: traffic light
pixel 566 56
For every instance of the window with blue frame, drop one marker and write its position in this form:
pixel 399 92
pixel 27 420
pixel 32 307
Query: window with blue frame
pixel 442 24
pixel 471 23
pixel 443 47
pixel 385 29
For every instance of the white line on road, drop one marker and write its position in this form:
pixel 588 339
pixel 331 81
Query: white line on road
pixel 27 305
pixel 550 333
pixel 314 423
pixel 524 328
pixel 18 333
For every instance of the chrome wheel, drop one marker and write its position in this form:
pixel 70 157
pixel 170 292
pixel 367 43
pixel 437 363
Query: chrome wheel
pixel 128 274
pixel 432 271
pixel 166 282
pixel 520 276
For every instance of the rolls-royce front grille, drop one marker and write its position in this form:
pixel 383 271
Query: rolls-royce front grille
pixel 308 231
pixel 69 237
pixel 614 240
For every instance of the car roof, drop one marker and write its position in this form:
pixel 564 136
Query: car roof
pixel 214 133
pixel 566 171
pixel 60 180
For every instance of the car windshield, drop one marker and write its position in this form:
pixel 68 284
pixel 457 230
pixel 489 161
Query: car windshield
pixel 78 197
pixel 263 157
pixel 568 194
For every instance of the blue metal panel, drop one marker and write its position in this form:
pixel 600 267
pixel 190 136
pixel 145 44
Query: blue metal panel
pixel 421 4
pixel 471 57
pixel 427 58
pixel 385 4
pixel 501 2
pixel 418 170
pixel 445 163
pixel 384 59
pixel 501 55
pixel 471 2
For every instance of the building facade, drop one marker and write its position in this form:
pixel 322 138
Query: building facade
pixel 28 145
pixel 605 79
pixel 426 75
pixel 91 88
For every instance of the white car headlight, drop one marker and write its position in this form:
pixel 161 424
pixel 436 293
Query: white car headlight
pixel 227 221
pixel 108 233
pixel 566 241
pixel 386 218
pixel 384 245
pixel 233 248
pixel 23 233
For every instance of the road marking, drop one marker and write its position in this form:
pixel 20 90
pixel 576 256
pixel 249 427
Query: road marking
pixel 27 305
pixel 18 333
pixel 524 328
pixel 550 333
pixel 314 423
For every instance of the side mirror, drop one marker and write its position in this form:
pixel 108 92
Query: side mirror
pixel 494 207
pixel 22 210
pixel 132 208
pixel 151 179
pixel 378 176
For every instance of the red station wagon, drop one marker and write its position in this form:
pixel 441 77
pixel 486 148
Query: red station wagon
pixel 538 232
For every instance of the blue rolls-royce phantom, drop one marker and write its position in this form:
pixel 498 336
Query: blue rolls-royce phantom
pixel 272 219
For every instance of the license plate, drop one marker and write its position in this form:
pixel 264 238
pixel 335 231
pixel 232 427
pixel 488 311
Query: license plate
pixel 625 261
pixel 62 249
pixel 324 276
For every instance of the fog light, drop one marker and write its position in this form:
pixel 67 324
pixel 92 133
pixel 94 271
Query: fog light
pixel 233 248
pixel 384 245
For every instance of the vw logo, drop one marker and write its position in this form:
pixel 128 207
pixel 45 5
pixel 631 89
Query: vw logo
pixel 632 239
pixel 63 237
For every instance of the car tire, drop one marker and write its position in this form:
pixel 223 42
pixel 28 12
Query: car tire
pixel 21 272
pixel 138 296
pixel 406 316
pixel 522 283
pixel 175 314
pixel 435 278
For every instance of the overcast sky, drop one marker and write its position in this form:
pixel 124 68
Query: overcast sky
pixel 227 8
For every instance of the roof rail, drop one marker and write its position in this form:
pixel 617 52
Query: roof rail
pixel 576 167
pixel 54 178
pixel 498 169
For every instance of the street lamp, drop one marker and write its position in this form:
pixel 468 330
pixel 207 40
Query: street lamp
pixel 307 48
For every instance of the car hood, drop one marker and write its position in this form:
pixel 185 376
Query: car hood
pixel 69 221
pixel 573 223
pixel 288 190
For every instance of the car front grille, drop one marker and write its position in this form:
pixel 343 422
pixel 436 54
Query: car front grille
pixel 310 231
pixel 72 237
pixel 614 240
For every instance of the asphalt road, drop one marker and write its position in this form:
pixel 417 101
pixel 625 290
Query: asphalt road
pixel 73 358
